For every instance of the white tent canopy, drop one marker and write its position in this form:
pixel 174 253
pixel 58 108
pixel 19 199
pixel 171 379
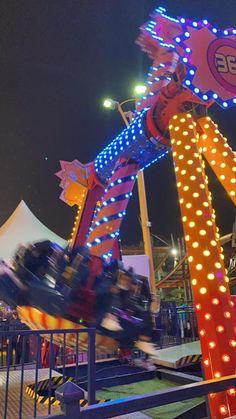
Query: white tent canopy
pixel 23 227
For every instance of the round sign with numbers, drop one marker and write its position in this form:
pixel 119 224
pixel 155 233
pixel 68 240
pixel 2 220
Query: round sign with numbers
pixel 221 56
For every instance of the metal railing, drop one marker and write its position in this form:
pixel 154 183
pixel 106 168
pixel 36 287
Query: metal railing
pixel 28 370
pixel 139 403
pixel 11 326
pixel 176 325
pixel 4 327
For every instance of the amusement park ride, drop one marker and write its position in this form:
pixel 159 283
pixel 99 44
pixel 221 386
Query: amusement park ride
pixel 194 66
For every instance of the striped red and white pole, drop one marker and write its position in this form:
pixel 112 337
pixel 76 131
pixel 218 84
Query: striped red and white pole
pixel 105 228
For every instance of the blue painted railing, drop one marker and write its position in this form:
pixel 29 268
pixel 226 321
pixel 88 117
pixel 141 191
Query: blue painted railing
pixel 10 337
pixel 142 402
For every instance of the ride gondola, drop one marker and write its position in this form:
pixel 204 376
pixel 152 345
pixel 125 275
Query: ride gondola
pixel 56 289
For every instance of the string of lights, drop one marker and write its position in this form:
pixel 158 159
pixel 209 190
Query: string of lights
pixel 132 143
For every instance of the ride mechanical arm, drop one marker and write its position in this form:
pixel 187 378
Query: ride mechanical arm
pixel 178 81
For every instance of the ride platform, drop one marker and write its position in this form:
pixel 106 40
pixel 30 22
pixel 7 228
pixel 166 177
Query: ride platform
pixel 179 356
pixel 14 393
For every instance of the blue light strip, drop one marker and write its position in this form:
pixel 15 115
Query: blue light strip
pixel 155 160
pixel 119 181
pixel 131 143
pixel 108 202
pixel 162 11
pixel 116 199
pixel 150 28
pixel 99 240
pixel 107 220
pixel 107 255
pixel 156 79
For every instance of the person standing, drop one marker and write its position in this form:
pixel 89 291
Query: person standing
pixel 14 341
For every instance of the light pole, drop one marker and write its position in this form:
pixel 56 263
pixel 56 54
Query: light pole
pixel 146 224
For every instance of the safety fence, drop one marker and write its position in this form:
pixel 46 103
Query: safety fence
pixel 22 362
pixel 175 325
pixel 70 400
pixel 61 356
pixel 15 356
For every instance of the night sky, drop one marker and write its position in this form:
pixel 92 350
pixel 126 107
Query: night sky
pixel 58 60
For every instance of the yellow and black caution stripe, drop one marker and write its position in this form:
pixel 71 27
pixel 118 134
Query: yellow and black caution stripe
pixel 190 359
pixel 44 385
pixel 44 399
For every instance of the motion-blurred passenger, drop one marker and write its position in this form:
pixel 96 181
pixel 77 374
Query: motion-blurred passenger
pixel 120 291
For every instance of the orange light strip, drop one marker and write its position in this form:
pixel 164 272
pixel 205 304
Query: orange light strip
pixel 71 241
pixel 214 308
pixel 219 155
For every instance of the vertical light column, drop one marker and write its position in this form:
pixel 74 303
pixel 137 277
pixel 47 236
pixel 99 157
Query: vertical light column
pixel 215 312
pixel 219 155
pixel 76 224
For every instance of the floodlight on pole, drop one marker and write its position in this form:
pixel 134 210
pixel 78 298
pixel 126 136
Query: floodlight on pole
pixel 140 90
pixel 114 105
pixel 110 104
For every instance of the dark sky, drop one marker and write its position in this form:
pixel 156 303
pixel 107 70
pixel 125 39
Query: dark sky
pixel 58 60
